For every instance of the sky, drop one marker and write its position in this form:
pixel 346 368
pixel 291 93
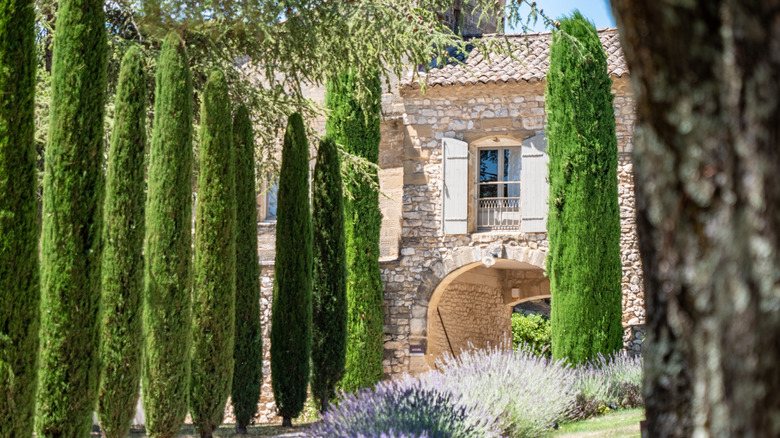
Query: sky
pixel 597 11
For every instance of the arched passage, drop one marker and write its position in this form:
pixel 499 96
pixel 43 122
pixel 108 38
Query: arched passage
pixel 462 300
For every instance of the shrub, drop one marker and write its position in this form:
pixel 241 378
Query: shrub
pixel 214 293
pixel 248 349
pixel 622 375
pixel 584 219
pixel 291 308
pixel 608 381
pixel 72 224
pixel 524 393
pixel 356 128
pixel 167 314
pixel 592 393
pixel 532 331
pixel 329 314
pixel 123 264
pixel 484 393
pixel 407 407
pixel 20 292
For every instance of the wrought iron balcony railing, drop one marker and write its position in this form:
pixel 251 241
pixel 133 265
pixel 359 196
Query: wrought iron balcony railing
pixel 498 214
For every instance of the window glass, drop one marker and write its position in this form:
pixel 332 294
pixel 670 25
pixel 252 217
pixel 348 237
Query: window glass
pixel 488 191
pixel 512 165
pixel 488 165
pixel 488 172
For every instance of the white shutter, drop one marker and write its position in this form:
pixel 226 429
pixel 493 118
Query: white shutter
pixel 455 191
pixel 535 190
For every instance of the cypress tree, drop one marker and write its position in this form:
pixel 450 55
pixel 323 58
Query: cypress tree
pixel 248 349
pixel 72 224
pixel 356 128
pixel 9 425
pixel 123 237
pixel 291 308
pixel 329 316
pixel 166 308
pixel 19 226
pixel 213 307
pixel 584 220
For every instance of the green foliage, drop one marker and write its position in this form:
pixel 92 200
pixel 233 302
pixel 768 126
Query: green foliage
pixel 357 131
pixel 214 295
pixel 284 46
pixel 532 332
pixel 19 226
pixel 72 224
pixel 329 315
pixel 291 335
pixel 584 220
pixel 167 314
pixel 9 426
pixel 248 349
pixel 123 237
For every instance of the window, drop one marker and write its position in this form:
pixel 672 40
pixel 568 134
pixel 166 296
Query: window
pixel 270 202
pixel 498 181
pixel 495 183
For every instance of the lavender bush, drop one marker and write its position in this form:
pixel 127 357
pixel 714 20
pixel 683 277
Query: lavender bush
pixel 524 393
pixel 622 375
pixel 495 392
pixel 404 408
pixel 614 380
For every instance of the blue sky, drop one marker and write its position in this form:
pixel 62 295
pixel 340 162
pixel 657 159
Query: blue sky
pixel 597 11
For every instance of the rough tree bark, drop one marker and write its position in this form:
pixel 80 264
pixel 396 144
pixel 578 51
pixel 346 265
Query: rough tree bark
pixel 707 164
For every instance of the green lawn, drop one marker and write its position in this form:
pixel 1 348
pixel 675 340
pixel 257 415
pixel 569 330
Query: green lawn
pixel 616 424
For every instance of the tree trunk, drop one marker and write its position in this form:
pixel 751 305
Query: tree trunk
pixel 707 79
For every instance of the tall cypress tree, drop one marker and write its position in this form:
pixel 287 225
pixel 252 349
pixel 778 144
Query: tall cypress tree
pixel 248 349
pixel 167 315
pixel 328 355
pixel 72 223
pixel 19 226
pixel 291 308
pixel 123 237
pixel 584 219
pixel 356 127
pixel 9 426
pixel 213 307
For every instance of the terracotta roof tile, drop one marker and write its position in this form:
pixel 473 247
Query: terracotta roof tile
pixel 531 52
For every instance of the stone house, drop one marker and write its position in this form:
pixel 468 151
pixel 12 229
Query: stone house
pixel 463 168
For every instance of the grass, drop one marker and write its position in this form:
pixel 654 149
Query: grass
pixel 615 424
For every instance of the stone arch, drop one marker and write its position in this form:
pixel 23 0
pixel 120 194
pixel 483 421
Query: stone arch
pixel 436 279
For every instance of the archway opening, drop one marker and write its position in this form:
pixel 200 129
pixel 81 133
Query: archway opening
pixel 472 306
